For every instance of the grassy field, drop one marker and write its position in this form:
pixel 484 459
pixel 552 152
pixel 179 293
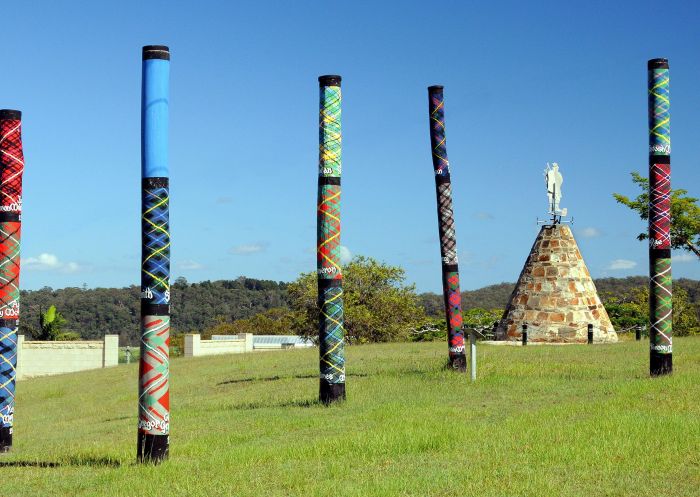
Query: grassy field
pixel 571 421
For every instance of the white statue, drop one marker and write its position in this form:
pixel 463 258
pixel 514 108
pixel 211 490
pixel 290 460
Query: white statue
pixel 553 179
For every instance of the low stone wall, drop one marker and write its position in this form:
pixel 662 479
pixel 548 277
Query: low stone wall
pixel 237 344
pixel 49 358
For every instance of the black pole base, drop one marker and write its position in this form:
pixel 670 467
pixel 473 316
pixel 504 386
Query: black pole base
pixel 5 439
pixel 152 448
pixel 331 392
pixel 458 362
pixel 660 364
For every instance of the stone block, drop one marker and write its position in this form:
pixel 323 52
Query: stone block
pixel 554 293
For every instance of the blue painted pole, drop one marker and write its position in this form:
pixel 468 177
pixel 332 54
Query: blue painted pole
pixel 154 388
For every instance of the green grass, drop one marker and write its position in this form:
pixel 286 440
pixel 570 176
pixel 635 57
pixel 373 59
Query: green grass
pixel 571 421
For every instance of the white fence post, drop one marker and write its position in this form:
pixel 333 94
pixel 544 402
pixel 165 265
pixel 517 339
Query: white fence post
pixel 110 354
pixel 472 353
pixel 248 341
pixel 192 345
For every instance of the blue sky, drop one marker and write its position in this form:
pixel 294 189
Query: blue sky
pixel 525 83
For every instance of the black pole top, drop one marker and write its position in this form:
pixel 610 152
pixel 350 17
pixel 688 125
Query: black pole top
pixel 657 64
pixel 156 52
pixel 435 88
pixel 329 80
pixel 9 114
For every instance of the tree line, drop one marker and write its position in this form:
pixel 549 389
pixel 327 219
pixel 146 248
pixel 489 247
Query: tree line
pixel 379 306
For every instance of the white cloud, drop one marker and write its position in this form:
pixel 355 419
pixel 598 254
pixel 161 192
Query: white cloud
pixel 249 248
pixel 345 255
pixel 590 232
pixel 621 264
pixel 189 265
pixel 49 262
pixel 685 257
pixel 484 216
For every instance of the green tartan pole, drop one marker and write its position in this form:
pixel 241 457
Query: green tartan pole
pixel 660 279
pixel 331 332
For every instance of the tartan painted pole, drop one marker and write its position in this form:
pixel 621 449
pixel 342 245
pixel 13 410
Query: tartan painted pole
pixel 660 280
pixel 331 333
pixel 446 227
pixel 11 169
pixel 154 388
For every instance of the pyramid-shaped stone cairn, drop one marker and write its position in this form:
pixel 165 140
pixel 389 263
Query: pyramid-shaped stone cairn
pixel 555 295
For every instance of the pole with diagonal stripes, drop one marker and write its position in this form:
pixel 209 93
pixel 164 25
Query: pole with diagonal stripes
pixel 11 169
pixel 446 228
pixel 331 333
pixel 660 280
pixel 154 388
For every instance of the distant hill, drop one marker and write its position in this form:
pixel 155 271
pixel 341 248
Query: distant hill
pixel 96 312
pixel 196 306
pixel 488 297
pixel 496 296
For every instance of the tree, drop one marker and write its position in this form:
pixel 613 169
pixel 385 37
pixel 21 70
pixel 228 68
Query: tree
pixel 479 319
pixel 275 321
pixel 434 329
pixel 378 305
pixel 221 327
pixel 476 318
pixel 628 310
pixel 686 320
pixel 52 323
pixel 632 309
pixel 685 215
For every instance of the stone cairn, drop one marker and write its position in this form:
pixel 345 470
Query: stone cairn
pixel 555 295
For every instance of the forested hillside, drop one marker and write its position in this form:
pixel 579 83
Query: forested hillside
pixel 489 297
pixel 196 306
pixel 496 296
pixel 95 312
